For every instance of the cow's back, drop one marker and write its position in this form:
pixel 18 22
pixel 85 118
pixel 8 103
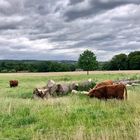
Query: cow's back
pixel 104 83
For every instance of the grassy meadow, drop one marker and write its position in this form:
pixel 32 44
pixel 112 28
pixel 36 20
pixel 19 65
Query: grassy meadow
pixel 72 117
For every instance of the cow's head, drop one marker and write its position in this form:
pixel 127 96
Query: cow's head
pixel 59 88
pixel 95 92
pixel 92 92
pixel 41 92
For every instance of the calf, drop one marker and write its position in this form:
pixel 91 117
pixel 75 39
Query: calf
pixel 13 83
pixel 109 91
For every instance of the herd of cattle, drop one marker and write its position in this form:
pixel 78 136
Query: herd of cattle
pixel 104 90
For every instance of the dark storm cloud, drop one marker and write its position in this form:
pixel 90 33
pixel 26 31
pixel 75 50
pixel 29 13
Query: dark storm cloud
pixel 62 29
pixel 95 6
pixel 8 26
pixel 20 47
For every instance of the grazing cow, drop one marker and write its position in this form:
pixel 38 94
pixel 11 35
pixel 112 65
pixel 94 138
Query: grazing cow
pixel 109 91
pixel 13 83
pixel 104 83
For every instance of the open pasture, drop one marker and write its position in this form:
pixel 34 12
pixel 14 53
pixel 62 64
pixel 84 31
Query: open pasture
pixel 72 117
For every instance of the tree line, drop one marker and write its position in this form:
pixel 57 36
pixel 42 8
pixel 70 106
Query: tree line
pixel 123 62
pixel 35 66
pixel 87 61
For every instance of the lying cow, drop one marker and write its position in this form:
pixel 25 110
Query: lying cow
pixel 13 83
pixel 53 89
pixel 109 91
pixel 62 89
pixel 104 83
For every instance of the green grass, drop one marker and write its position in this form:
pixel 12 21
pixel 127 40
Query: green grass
pixel 74 117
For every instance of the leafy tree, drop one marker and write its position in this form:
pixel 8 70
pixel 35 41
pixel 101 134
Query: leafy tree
pixel 134 60
pixel 87 61
pixel 119 62
pixel 132 54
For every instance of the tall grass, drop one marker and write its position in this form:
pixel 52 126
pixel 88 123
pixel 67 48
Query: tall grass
pixel 73 117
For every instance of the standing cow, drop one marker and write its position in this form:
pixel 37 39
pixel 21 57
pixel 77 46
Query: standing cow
pixel 13 83
pixel 109 91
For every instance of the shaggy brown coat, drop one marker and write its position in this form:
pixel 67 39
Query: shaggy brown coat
pixel 104 83
pixel 13 83
pixel 109 91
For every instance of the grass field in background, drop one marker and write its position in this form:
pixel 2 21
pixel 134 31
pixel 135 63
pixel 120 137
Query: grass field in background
pixel 72 117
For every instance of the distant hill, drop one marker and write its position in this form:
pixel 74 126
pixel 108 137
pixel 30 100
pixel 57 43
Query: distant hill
pixel 38 61
pixel 67 61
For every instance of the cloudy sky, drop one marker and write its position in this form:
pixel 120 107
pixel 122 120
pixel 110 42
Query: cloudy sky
pixel 62 29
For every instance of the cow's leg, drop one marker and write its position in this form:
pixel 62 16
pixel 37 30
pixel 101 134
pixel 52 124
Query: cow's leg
pixel 120 97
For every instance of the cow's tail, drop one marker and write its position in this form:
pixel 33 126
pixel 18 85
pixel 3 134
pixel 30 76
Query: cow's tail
pixel 125 92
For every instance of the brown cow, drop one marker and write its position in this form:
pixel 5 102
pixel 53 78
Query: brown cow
pixel 104 83
pixel 13 83
pixel 109 91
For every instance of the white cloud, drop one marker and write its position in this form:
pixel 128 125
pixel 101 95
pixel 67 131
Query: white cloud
pixel 4 3
pixel 52 29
